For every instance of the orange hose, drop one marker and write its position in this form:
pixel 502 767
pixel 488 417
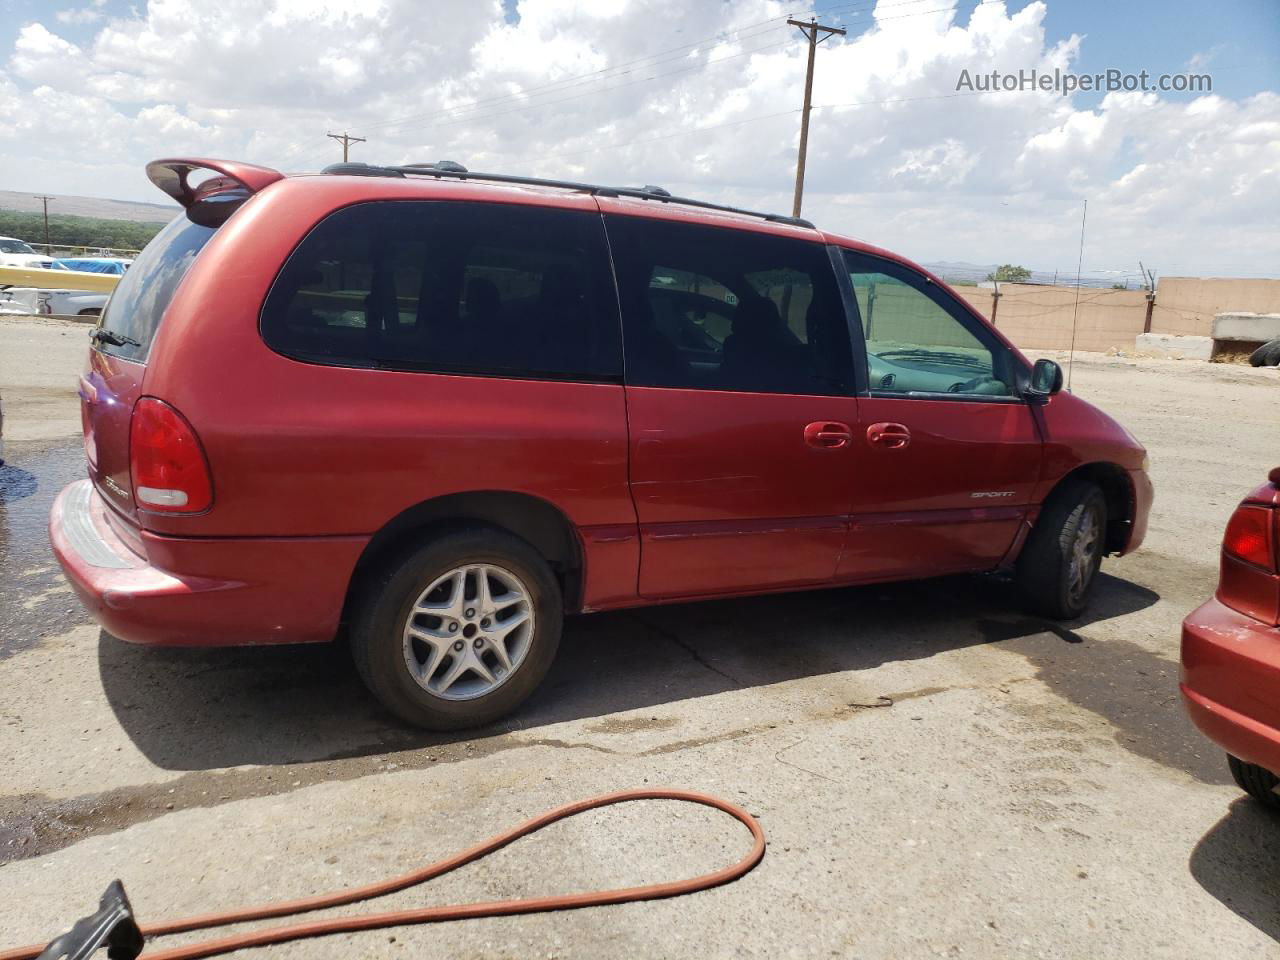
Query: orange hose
pixel 399 918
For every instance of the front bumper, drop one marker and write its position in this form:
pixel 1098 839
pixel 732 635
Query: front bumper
pixel 200 592
pixel 1143 495
pixel 1231 682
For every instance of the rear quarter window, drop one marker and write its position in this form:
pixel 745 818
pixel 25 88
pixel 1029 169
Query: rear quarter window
pixel 144 292
pixel 441 286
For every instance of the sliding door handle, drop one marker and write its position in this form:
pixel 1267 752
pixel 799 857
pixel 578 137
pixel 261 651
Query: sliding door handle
pixel 892 436
pixel 828 434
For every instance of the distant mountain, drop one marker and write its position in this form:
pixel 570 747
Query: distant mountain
pixel 91 207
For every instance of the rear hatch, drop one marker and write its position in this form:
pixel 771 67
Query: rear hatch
pixel 210 191
pixel 112 383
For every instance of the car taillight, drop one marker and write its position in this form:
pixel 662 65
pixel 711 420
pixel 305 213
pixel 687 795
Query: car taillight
pixel 1248 581
pixel 168 467
pixel 1250 537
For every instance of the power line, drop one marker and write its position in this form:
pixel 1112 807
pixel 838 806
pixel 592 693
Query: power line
pixel 595 76
pixel 605 74
pixel 524 107
pixel 671 136
pixel 686 131
pixel 754 119
pixel 460 115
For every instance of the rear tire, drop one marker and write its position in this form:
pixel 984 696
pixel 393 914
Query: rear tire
pixel 1258 782
pixel 433 637
pixel 1267 355
pixel 1059 563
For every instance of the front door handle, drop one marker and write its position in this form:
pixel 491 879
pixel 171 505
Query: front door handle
pixel 828 435
pixel 894 436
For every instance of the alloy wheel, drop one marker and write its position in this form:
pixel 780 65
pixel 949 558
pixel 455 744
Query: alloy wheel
pixel 468 631
pixel 1084 552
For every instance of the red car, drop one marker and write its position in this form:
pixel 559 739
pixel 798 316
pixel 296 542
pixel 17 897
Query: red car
pixel 1231 648
pixel 442 409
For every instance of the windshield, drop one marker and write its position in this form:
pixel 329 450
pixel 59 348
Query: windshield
pixel 9 245
pixel 143 294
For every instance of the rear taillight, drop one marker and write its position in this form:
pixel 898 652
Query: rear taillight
pixel 1249 582
pixel 1250 536
pixel 170 473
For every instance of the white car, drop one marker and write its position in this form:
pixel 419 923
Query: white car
pixel 62 302
pixel 73 303
pixel 14 245
pixel 32 261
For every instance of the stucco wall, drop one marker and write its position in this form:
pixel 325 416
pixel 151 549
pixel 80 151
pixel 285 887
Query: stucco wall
pixel 977 298
pixel 1039 317
pixel 1186 305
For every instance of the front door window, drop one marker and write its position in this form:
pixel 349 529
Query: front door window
pixel 918 343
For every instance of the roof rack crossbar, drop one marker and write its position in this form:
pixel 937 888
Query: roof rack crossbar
pixel 638 193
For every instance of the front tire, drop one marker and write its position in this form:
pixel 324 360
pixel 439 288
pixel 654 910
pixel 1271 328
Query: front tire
pixel 459 631
pixel 1059 564
pixel 1258 782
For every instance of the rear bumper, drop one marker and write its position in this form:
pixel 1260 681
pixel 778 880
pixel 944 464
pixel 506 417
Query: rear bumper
pixel 194 592
pixel 1231 682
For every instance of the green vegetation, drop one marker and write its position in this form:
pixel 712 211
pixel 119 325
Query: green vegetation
pixel 1008 273
pixel 77 231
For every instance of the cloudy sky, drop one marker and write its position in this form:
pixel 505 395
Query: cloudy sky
pixel 700 96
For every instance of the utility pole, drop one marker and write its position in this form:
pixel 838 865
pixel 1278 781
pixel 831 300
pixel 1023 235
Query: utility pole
pixel 346 140
pixel 45 200
pixel 810 29
pixel 1148 281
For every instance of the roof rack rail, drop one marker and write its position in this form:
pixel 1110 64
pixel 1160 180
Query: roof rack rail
pixel 447 168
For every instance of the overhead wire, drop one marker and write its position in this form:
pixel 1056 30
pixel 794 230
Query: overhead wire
pixel 753 119
pixel 468 112
pixel 454 118
pixel 660 56
pixel 558 86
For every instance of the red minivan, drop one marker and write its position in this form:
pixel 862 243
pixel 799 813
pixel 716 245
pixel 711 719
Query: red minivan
pixel 442 409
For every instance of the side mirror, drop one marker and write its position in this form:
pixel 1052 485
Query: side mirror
pixel 1046 379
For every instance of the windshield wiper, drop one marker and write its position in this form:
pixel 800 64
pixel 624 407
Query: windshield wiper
pixel 102 335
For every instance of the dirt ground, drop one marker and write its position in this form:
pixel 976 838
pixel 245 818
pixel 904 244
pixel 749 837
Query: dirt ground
pixel 1027 789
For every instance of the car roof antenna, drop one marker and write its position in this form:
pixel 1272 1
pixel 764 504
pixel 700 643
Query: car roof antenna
pixel 1071 354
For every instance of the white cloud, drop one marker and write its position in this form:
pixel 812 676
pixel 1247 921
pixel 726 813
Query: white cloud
pixel 1202 58
pixel 670 92
pixel 944 164
pixel 90 14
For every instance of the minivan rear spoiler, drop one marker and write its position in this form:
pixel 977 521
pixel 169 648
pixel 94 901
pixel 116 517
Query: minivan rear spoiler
pixel 210 202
